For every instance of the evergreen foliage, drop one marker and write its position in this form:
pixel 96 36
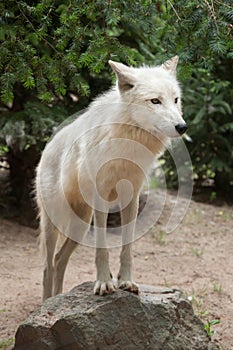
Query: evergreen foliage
pixel 55 47
pixel 54 54
pixel 201 33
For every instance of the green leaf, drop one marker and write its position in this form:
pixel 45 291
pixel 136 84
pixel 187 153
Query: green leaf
pixel 29 83
pixel 201 113
pixel 218 46
pixel 45 96
pixel 226 127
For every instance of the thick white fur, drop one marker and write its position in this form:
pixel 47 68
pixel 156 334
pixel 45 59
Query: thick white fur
pixel 88 144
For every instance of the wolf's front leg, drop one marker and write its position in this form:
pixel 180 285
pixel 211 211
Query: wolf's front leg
pixel 104 284
pixel 128 220
pixel 125 276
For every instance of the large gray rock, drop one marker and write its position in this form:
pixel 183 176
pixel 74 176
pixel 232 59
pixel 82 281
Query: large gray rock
pixel 158 319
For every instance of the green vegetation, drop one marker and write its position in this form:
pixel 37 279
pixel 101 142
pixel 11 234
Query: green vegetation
pixel 198 303
pixel 160 237
pixel 198 252
pixel 201 33
pixel 217 287
pixel 208 327
pixel 5 343
pixel 53 61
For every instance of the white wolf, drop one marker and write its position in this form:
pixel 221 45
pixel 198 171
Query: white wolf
pixel 100 160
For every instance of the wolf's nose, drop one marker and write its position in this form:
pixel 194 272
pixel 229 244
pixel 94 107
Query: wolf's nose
pixel 181 128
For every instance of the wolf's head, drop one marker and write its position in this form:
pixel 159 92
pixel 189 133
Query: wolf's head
pixel 153 96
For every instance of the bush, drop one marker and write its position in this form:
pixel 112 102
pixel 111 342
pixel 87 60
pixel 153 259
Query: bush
pixel 211 126
pixel 203 33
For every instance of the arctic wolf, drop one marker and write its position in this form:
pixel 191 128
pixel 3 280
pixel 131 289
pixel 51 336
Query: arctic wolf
pixel 100 160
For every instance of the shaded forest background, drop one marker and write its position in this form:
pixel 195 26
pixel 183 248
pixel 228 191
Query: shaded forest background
pixel 53 62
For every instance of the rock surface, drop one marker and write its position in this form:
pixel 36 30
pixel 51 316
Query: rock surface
pixel 157 319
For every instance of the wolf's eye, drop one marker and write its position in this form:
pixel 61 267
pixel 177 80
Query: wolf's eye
pixel 176 99
pixel 156 101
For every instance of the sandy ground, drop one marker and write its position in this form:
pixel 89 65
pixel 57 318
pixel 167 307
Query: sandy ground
pixel 196 258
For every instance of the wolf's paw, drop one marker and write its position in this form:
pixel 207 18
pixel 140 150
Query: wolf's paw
pixel 129 286
pixel 104 287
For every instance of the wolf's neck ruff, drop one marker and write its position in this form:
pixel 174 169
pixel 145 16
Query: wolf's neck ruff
pixel 155 143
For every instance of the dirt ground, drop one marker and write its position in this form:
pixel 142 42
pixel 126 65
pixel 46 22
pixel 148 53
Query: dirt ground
pixel 196 258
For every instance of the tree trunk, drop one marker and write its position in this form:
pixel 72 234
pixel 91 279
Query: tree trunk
pixel 22 173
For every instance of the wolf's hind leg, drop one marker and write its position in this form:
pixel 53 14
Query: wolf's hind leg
pixel 104 284
pixel 48 239
pixel 78 229
pixel 60 263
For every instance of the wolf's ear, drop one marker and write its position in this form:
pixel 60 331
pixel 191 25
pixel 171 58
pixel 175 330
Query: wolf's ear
pixel 124 76
pixel 171 65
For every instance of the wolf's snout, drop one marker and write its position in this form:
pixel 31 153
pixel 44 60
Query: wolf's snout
pixel 181 128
